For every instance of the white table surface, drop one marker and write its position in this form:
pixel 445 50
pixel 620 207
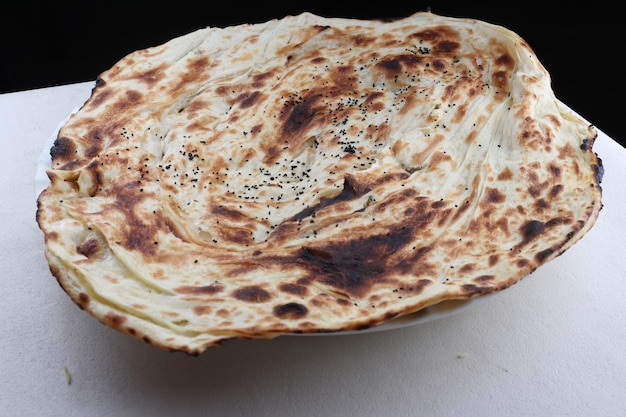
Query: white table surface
pixel 552 345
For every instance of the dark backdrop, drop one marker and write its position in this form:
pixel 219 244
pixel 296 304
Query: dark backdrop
pixel 53 43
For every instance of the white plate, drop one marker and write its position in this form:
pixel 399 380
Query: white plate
pixel 434 312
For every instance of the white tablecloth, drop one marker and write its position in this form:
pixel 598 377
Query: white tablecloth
pixel 552 345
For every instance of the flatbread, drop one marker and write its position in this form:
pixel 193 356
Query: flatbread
pixel 312 174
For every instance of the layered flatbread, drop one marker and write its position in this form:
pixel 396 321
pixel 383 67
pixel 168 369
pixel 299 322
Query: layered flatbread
pixel 312 174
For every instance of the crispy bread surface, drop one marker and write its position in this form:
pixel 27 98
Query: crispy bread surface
pixel 313 174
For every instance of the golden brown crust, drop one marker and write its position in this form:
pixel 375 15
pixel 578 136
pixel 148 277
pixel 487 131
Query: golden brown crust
pixel 311 174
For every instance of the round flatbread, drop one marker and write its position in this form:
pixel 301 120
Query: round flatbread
pixel 313 174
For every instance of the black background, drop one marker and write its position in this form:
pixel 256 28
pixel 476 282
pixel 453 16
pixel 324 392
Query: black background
pixel 53 43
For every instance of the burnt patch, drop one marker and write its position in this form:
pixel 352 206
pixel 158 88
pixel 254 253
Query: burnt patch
pixel 351 189
pixel 493 195
pixel 355 266
pixel 128 100
pixel 252 294
pixel 500 79
pixel 531 230
pixel 153 75
pixel 598 171
pixel 247 100
pixel 363 40
pixel 393 66
pixel 556 190
pixel 99 96
pixel 236 235
pixel 83 299
pixel 114 320
pixel 438 204
pixel 371 102
pixel 344 80
pixel 556 221
pixel 228 213
pixel 505 60
pixel 295 289
pixel 98 84
pixel 259 80
pixel 505 175
pixel 446 46
pixel 544 255
pixel 541 205
pixel 90 248
pixel 290 311
pixel 352 267
pixel 555 170
pixel 94 148
pixel 137 235
pixel 586 144
pixel 321 28
pixel 298 115
pixel 196 72
pixel 201 310
pixel 484 279
pixel 63 148
pixel 199 290
pixel 439 65
pixel 418 287
pixel 433 34
pixel 470 290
